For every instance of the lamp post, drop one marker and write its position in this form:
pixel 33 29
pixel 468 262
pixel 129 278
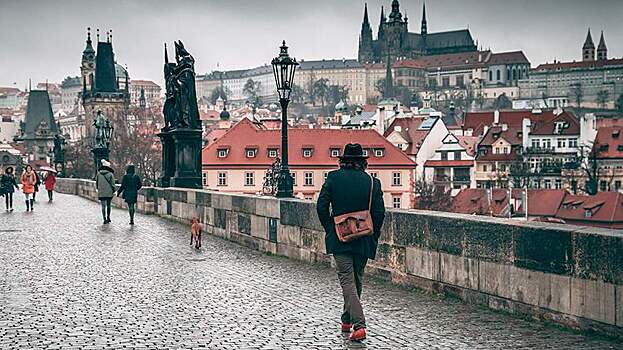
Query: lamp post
pixel 284 67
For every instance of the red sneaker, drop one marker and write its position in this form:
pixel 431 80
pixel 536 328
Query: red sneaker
pixel 358 335
pixel 346 327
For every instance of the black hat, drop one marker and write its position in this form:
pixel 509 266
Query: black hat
pixel 353 151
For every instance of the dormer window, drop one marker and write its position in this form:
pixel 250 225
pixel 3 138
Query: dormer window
pixel 365 152
pixel 222 153
pixel 251 152
pixel 588 213
pixel 273 153
pixel 379 152
pixel 335 152
pixel 307 152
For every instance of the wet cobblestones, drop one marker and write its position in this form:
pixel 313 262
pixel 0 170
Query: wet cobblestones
pixel 68 282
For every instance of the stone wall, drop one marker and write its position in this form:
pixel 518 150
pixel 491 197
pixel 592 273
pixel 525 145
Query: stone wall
pixel 569 275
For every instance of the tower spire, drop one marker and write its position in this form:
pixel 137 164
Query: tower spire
pixel 382 24
pixel 602 50
pixel 424 28
pixel 588 49
pixel 389 80
pixel 166 55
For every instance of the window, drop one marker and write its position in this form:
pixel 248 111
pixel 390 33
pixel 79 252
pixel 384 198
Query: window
pixel 562 143
pixel 374 175
pixel 396 179
pixel 573 143
pixel 249 179
pixel 293 178
pixel 324 175
pixel 497 75
pixel 536 143
pixel 617 185
pixel 307 152
pixel 558 184
pixel 251 153
pixel 444 155
pixel 365 152
pixel 396 202
pixel 309 179
pixel 603 186
pixel 222 179
pixel 378 152
pixel 204 179
pixel 588 213
pixel 490 75
pixel 502 167
pixel 547 184
pixel 222 153
pixel 547 143
pixel 484 168
pixel 445 81
pixel 335 152
pixel 505 150
pixel 460 81
pixel 272 153
pixel 457 155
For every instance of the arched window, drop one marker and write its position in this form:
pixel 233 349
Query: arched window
pixel 497 75
pixel 508 74
pixel 490 75
pixel 514 74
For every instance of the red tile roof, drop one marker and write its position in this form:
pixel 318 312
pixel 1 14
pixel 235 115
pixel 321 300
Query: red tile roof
pixel 454 60
pixel 409 131
pixel 469 143
pixel 477 120
pixel 209 115
pixel 508 58
pixel 605 209
pixel 547 125
pixel 609 142
pixel 579 65
pixel 9 90
pixel 541 203
pixel 143 82
pixel 246 134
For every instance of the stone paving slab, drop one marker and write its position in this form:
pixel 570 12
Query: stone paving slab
pixel 69 282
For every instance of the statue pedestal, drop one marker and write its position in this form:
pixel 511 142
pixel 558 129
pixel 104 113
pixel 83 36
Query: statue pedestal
pixel 185 157
pixel 168 158
pixel 99 154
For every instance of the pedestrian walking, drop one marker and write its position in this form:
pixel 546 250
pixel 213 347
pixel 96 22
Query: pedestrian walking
pixel 28 181
pixel 50 183
pixel 8 184
pixel 105 184
pixel 37 184
pixel 351 210
pixel 130 184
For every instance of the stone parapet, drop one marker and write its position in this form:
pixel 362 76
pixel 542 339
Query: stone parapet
pixel 570 275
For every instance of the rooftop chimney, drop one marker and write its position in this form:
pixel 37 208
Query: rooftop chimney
pixel 496 117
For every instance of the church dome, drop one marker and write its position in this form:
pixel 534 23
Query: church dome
pixel 224 114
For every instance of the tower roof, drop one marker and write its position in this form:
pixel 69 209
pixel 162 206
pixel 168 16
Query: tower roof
pixel 39 111
pixel 602 42
pixel 105 72
pixel 424 28
pixel 395 15
pixel 588 43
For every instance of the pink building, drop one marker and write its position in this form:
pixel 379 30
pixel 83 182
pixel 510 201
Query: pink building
pixel 237 162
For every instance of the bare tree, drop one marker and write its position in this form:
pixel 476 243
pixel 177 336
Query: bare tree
pixel 430 197
pixel 602 98
pixel 577 93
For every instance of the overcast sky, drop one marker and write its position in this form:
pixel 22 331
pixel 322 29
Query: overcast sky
pixel 44 39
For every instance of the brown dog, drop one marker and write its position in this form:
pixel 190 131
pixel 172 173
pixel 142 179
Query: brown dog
pixel 195 232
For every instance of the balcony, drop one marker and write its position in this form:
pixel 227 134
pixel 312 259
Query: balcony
pixel 539 150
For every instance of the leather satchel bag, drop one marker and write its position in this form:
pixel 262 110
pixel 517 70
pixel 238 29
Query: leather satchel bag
pixel 350 226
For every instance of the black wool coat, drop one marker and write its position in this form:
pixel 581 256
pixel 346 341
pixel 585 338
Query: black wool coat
pixel 130 184
pixel 346 191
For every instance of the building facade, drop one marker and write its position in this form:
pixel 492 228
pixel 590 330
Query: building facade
pixel 451 168
pixel 238 161
pixel 39 128
pixel 144 93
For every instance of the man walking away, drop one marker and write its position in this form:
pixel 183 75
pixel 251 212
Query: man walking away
pixel 105 184
pixel 130 184
pixel 8 184
pixel 349 190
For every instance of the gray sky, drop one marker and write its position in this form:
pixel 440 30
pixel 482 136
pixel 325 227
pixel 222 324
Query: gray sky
pixel 44 39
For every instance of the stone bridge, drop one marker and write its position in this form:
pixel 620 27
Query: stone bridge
pixel 263 281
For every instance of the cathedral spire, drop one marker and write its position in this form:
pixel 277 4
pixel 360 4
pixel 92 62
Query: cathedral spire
pixel 365 38
pixel 395 15
pixel 424 28
pixel 588 49
pixel 382 24
pixel 602 50
pixel 389 79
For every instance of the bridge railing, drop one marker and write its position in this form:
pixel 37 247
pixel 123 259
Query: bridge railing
pixel 570 275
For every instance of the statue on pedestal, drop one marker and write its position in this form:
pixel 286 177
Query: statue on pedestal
pixel 180 107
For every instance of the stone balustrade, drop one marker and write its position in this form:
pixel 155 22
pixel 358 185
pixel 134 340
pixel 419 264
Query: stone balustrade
pixel 570 275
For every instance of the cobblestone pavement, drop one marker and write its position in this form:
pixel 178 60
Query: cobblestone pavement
pixel 68 282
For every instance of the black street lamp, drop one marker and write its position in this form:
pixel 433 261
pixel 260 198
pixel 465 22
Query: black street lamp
pixel 284 67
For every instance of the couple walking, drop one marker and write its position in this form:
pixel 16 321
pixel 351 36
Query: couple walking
pixel 106 188
pixel 350 204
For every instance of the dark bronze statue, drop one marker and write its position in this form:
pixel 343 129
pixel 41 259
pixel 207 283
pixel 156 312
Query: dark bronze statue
pixel 59 148
pixel 180 107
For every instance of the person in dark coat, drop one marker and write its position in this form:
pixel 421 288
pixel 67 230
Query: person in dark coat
pixel 130 184
pixel 37 184
pixel 8 184
pixel 348 190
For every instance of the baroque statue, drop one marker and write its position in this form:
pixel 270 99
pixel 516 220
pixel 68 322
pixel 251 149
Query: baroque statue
pixel 59 148
pixel 102 125
pixel 180 107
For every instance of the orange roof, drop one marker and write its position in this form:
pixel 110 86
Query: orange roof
pixel 409 131
pixel 543 202
pixel 579 65
pixel 246 135
pixel 605 209
pixel 609 143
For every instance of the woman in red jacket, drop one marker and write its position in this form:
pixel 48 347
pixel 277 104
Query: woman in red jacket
pixel 50 182
pixel 28 180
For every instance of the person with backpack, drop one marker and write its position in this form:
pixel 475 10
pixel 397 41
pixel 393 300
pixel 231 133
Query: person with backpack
pixel 351 210
pixel 105 184
pixel 130 184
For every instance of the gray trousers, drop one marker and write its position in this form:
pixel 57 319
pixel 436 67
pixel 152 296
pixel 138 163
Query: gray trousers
pixel 350 273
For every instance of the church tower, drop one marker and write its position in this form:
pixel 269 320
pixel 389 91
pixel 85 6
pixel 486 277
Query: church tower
pixel 381 36
pixel 365 39
pixel 588 49
pixel 396 33
pixel 424 28
pixel 87 67
pixel 602 50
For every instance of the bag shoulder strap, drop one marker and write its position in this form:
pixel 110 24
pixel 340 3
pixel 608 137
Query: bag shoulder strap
pixel 371 190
